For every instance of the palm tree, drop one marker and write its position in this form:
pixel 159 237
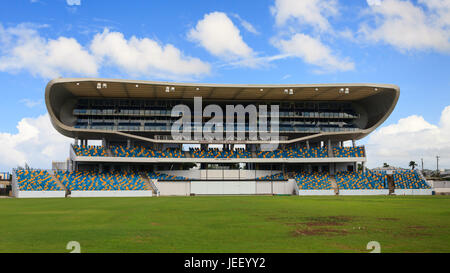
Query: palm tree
pixel 412 164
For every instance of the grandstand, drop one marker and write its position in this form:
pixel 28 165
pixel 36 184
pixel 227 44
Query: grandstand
pixel 125 144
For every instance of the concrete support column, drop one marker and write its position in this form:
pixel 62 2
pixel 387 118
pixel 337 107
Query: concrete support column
pixel 128 143
pixel 353 143
pixel 76 141
pixel 330 150
pixel 100 167
pixel 307 144
pixel 104 144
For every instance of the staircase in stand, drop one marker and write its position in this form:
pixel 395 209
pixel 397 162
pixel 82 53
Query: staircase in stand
pixel 108 151
pixel 149 184
pixel 52 174
pixel 390 182
pixel 334 185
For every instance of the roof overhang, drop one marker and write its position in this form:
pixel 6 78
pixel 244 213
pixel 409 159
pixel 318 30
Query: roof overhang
pixel 379 100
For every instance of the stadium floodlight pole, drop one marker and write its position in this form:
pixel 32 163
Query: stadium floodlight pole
pixel 437 165
pixel 422 164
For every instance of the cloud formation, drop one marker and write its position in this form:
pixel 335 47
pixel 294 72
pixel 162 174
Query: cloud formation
pixel 306 12
pixel 73 2
pixel 408 26
pixel 36 143
pixel 144 56
pixel 296 20
pixel 313 51
pixel 411 138
pixel 23 48
pixel 220 37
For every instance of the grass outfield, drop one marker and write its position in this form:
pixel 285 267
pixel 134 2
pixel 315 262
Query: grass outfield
pixel 227 224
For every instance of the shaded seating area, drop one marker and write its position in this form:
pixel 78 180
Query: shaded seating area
pixel 313 152
pixel 83 150
pixel 348 151
pixel 220 153
pixel 278 176
pixel 165 177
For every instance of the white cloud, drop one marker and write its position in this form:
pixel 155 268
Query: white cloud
pixel 411 138
pixel 373 2
pixel 305 12
pixel 145 56
pixel 73 2
pixel 246 24
pixel 218 35
pixel 313 51
pixel 406 26
pixel 22 48
pixel 31 103
pixel 36 143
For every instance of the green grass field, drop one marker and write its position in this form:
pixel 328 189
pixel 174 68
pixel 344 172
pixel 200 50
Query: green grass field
pixel 227 224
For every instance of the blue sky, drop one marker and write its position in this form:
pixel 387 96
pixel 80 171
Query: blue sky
pixel 267 41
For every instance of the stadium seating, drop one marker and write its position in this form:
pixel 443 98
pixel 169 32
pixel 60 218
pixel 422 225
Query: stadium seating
pixel 218 153
pixel 409 179
pixel 348 151
pixel 313 152
pixel 165 177
pixel 100 181
pixel 313 180
pixel 36 180
pixel 361 180
pixel 278 176
pixel 82 150
pixel 141 151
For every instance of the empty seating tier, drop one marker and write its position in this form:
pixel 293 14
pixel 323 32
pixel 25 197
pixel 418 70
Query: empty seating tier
pixel 89 150
pixel 314 152
pixel 278 176
pixel 36 180
pixel 409 179
pixel 313 181
pixel 101 181
pixel 361 180
pixel 348 151
pixel 165 177
pixel 141 151
pixel 217 153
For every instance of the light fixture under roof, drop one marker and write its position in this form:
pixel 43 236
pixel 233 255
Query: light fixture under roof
pixel 197 89
pixel 137 85
pixel 291 91
pixel 286 91
pixel 99 85
pixel 376 89
pixel 316 89
pixel 261 89
pixel 78 83
pixel 172 89
pixel 104 85
pixel 347 90
pixel 167 89
pixel 341 90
